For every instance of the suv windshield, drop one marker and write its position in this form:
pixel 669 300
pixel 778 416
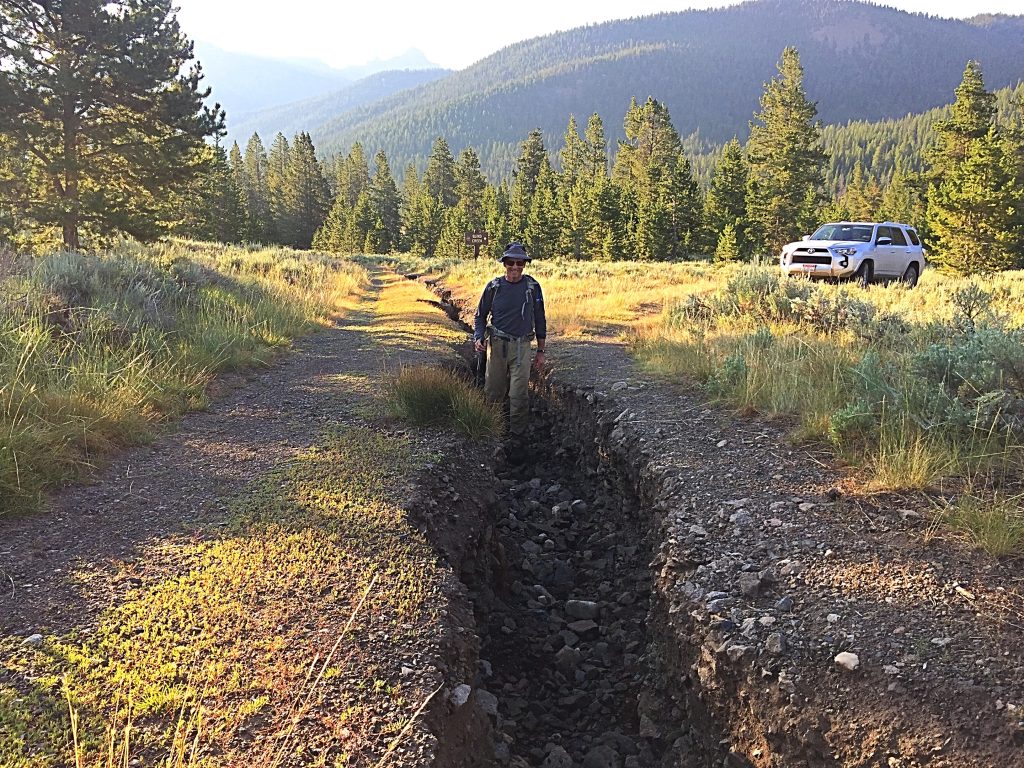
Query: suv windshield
pixel 860 232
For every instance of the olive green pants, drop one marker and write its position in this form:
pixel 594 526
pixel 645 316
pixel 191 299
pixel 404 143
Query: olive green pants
pixel 508 373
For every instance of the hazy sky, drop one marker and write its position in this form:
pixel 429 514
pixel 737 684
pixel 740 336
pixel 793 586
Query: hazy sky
pixel 452 33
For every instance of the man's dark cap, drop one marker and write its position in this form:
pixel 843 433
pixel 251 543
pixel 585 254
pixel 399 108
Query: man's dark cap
pixel 515 251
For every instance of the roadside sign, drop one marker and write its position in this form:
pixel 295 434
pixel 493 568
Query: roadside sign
pixel 476 238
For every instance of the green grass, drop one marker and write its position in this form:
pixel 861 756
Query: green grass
pixel 258 629
pixel 97 351
pixel 992 522
pixel 425 395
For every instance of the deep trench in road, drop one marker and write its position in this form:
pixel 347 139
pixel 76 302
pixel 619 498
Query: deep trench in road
pixel 563 625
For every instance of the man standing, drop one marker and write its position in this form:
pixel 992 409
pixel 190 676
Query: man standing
pixel 515 305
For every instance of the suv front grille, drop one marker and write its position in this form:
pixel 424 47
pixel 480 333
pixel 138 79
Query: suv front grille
pixel 802 257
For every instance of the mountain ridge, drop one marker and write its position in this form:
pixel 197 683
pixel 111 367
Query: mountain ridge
pixel 862 62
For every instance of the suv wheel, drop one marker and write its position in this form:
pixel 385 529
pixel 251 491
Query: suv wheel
pixel 865 274
pixel 911 275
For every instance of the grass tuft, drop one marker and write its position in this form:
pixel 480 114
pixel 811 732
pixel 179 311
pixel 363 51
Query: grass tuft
pixel 994 523
pixel 426 396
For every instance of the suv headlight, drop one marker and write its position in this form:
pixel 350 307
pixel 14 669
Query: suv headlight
pixel 845 252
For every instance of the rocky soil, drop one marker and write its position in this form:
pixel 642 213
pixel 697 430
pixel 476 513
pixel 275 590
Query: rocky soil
pixel 563 630
pixel 795 621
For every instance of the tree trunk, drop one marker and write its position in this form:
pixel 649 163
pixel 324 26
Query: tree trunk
pixel 72 205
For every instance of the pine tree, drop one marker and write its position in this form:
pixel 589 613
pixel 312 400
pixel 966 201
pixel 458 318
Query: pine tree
pixel 277 180
pixel 305 193
pixel 728 245
pixel 257 192
pixel 591 209
pixel 785 159
pixel 524 181
pixel 726 202
pixel 468 214
pixel 969 216
pixel 611 222
pixel 211 206
pixel 657 189
pixel 384 234
pixel 239 182
pixel 573 155
pixel 544 221
pixel 439 178
pixel 353 176
pixel 972 115
pixel 114 118
pixel 573 189
pixel 412 224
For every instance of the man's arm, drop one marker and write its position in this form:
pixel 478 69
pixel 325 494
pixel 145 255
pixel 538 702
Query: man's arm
pixel 540 325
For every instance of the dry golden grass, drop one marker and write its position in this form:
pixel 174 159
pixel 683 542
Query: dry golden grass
pixel 97 351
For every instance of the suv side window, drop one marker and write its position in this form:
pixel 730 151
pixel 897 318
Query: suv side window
pixel 898 238
pixel 913 236
pixel 882 232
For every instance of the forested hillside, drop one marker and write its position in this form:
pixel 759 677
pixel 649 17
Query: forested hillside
pixel 864 62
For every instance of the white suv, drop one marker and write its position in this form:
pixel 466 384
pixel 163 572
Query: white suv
pixel 863 251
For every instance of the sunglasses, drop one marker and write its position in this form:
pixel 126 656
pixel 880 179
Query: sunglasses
pixel 515 263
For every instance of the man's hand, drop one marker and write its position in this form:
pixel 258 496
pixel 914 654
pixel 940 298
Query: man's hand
pixel 538 361
pixel 478 345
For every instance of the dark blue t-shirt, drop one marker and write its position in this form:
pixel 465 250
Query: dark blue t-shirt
pixel 516 309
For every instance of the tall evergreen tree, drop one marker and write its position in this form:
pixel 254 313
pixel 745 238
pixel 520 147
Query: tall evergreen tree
pixel 305 193
pixel 524 181
pixel 468 214
pixel 257 192
pixel 657 189
pixel 969 218
pixel 97 93
pixel 211 206
pixel 412 226
pixel 544 220
pixel 726 202
pixel 384 201
pixel 596 148
pixel 239 182
pixel 785 159
pixel 573 192
pixel 439 178
pixel 277 180
pixel 353 175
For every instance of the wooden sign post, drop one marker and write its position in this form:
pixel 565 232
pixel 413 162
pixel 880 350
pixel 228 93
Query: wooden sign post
pixel 476 239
